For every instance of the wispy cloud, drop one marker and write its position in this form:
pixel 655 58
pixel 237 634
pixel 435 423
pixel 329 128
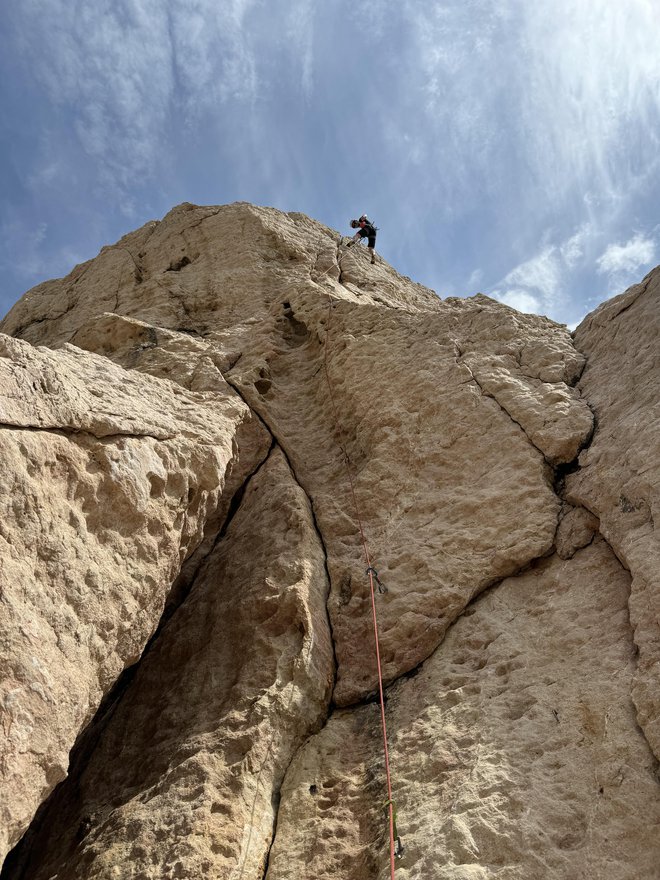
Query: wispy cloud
pixel 622 263
pixel 628 257
pixel 593 79
pixel 214 53
pixel 453 83
pixel 301 37
pixel 108 68
pixel 521 300
pixel 131 73
pixel 540 284
pixel 533 286
pixel 34 262
pixel 559 82
pixel 573 249
pixel 515 137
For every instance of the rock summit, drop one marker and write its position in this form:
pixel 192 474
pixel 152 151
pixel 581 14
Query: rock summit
pixel 200 426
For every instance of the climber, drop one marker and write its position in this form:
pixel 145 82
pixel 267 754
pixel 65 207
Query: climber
pixel 365 229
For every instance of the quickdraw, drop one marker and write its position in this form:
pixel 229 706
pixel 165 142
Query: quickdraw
pixel 398 845
pixel 381 586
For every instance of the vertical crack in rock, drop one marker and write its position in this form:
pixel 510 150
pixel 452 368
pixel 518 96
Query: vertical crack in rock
pixel 339 258
pixel 21 861
pixel 193 565
pixel 619 474
pixel 516 747
pixel 643 730
pixel 278 440
pixel 195 750
pixel 95 524
pixel 139 274
pixel 292 398
pixel 319 533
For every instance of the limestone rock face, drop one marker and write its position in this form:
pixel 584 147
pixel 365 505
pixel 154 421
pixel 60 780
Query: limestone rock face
pixel 233 417
pixel 420 420
pixel 251 649
pixel 107 481
pixel 619 475
pixel 202 270
pixel 514 749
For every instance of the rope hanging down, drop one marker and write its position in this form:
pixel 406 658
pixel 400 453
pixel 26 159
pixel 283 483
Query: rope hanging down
pixel 396 847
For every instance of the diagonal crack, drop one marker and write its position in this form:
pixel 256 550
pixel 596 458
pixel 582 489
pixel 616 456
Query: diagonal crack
pixel 460 361
pixel 276 440
pixel 557 468
pixel 638 295
pixel 20 862
pixel 69 431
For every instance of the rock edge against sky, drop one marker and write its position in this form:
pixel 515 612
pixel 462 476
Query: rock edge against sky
pixel 189 679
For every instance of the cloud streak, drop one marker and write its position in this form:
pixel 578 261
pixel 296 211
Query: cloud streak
pixel 628 257
pixel 593 71
pixel 623 263
pixel 132 72
pixel 497 142
pixel 110 68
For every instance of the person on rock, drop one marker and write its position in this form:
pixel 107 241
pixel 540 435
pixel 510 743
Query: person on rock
pixel 365 229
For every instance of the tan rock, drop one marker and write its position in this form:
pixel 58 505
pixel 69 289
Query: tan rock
pixel 577 528
pixel 450 476
pixel 619 475
pixel 552 415
pixel 192 363
pixel 108 478
pixel 204 269
pixel 515 751
pixel 452 493
pixel 451 425
pixel 185 777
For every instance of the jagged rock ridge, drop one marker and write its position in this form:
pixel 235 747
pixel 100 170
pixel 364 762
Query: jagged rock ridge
pixel 177 498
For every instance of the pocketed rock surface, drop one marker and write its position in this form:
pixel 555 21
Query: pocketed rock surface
pixel 619 475
pixel 514 749
pixel 458 437
pixel 194 791
pixel 108 478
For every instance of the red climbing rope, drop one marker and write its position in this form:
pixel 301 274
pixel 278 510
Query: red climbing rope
pixel 371 572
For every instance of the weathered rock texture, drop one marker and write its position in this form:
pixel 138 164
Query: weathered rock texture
pixel 250 649
pixel 107 481
pixel 290 393
pixel 514 748
pixel 619 475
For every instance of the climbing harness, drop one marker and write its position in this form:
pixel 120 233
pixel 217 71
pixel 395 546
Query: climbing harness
pixel 396 847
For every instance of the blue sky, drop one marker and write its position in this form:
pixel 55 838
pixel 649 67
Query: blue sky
pixel 501 146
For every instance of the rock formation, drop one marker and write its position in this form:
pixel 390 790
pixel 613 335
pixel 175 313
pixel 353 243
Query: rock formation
pixel 198 426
